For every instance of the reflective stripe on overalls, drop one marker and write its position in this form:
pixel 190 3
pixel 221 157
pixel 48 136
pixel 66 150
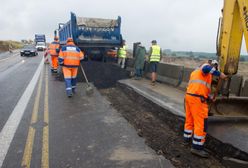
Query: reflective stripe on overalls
pixel 196 107
pixel 208 85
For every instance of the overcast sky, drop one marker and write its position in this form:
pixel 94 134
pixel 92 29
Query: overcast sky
pixel 188 25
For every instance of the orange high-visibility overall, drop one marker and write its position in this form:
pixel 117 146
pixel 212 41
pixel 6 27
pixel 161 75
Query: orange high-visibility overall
pixel 53 48
pixel 70 57
pixel 196 108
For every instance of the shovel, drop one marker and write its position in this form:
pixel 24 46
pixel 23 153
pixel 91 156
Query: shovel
pixel 89 89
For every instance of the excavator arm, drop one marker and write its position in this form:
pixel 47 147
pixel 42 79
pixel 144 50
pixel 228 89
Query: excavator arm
pixel 234 25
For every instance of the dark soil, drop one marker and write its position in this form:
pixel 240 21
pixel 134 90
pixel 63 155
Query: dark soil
pixel 103 75
pixel 158 133
pixel 162 131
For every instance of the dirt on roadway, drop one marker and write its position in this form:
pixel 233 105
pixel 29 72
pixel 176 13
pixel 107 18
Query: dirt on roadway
pixel 150 122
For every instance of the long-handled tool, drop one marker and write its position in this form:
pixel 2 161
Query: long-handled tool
pixel 213 103
pixel 89 89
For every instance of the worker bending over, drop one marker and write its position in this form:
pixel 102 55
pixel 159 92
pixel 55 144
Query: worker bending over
pixel 122 54
pixel 196 107
pixel 155 56
pixel 54 48
pixel 69 57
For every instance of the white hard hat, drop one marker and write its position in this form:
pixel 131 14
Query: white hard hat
pixel 214 62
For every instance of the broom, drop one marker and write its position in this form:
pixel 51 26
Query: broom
pixel 89 89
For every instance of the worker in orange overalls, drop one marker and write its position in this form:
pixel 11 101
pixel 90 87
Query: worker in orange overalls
pixel 54 48
pixel 69 57
pixel 196 107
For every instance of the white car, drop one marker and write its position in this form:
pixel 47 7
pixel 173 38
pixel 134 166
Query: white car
pixel 40 46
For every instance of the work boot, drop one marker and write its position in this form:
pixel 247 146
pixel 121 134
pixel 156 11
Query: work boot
pixel 69 93
pixel 200 153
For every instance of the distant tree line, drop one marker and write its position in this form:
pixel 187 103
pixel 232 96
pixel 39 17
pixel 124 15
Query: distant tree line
pixel 196 55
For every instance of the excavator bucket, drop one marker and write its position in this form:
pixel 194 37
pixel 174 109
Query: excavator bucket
pixel 230 107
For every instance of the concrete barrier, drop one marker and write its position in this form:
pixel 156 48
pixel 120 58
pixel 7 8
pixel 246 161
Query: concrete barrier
pixel 178 75
pixel 146 67
pixel 185 79
pixel 167 73
pixel 171 74
pixel 245 89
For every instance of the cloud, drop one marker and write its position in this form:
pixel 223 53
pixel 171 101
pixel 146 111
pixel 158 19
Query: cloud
pixel 176 24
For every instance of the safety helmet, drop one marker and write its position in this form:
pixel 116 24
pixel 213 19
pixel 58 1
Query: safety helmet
pixel 69 40
pixel 214 62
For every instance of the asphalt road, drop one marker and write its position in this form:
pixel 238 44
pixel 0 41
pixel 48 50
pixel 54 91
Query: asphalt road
pixel 41 127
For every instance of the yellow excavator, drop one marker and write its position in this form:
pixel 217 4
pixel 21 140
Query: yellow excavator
pixel 232 26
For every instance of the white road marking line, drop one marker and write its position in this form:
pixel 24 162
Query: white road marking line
pixel 9 129
pixel 8 57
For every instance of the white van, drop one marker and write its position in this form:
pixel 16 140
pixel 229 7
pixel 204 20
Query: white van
pixel 40 46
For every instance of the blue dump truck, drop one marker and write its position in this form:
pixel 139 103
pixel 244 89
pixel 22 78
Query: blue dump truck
pixel 98 38
pixel 40 42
